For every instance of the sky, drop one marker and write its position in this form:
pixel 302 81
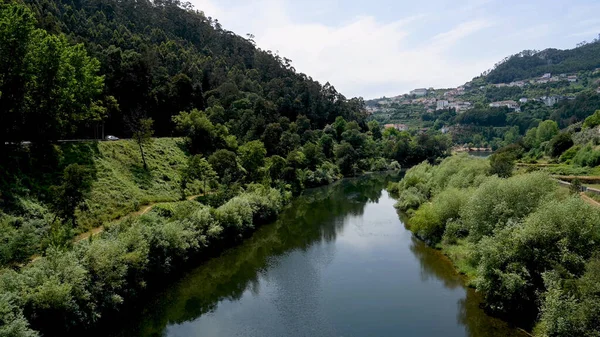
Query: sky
pixel 388 47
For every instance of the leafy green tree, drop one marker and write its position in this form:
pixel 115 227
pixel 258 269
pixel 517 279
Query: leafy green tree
pixel 339 126
pixel 593 120
pixel 49 87
pixel 546 130
pixel 252 156
pixel 71 194
pixel 271 138
pixel 375 129
pixel 198 168
pixel 327 144
pixel 202 135
pixel 225 163
pixel 502 164
pixel 346 157
pixel 559 144
pixel 142 132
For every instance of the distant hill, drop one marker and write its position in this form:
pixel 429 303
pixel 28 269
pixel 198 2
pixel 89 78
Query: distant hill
pixel 528 64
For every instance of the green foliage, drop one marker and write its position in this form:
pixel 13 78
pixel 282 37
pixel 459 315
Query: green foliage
pixel 571 306
pixel 198 168
pixel 202 135
pixel 502 164
pixel 70 290
pixel 142 134
pixel 49 87
pixel 559 144
pixel 587 156
pixel 593 120
pixel 252 156
pixel 430 220
pixel 226 164
pixel 498 203
pixel 71 194
pixel 561 235
pixel 528 64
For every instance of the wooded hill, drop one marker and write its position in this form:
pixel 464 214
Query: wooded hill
pixel 159 58
pixel 531 63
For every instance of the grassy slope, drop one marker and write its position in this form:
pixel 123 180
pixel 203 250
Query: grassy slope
pixel 121 185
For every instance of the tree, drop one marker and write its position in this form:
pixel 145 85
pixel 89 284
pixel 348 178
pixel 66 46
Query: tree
pixel 375 129
pixel 502 164
pixel 202 135
pixel 560 143
pixel 198 168
pixel 225 163
pixel 546 130
pixel 271 137
pixel 142 134
pixel 252 156
pixel 48 87
pixel 71 194
pixel 593 120
pixel 346 158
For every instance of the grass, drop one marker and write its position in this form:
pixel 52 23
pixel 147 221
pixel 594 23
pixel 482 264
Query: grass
pixel 459 253
pixel 122 185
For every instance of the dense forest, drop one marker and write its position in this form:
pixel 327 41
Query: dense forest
pixel 531 63
pixel 149 59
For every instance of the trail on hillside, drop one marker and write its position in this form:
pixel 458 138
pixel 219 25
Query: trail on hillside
pixel 148 208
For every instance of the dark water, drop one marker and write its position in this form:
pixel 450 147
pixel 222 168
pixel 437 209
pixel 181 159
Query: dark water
pixel 338 262
pixel 480 154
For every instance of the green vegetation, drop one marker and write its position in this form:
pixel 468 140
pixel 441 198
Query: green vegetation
pixel 253 133
pixel 531 63
pixel 529 247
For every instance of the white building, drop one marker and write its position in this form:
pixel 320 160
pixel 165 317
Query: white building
pixel 523 100
pixel 550 100
pixel 509 104
pixel 547 75
pixel 572 78
pixel 442 104
pixel 419 92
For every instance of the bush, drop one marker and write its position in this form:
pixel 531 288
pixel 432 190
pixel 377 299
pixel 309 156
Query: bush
pixel 560 235
pixel 499 202
pixel 429 221
pixel 587 156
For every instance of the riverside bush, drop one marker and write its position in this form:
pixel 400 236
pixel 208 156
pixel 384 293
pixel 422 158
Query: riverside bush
pixel 531 249
pixel 69 290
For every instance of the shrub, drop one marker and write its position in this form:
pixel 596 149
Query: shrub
pixel 561 235
pixel 429 221
pixel 498 202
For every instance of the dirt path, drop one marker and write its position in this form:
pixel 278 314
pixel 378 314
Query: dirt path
pixel 589 200
pixel 146 209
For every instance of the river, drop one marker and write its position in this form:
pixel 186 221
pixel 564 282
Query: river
pixel 338 262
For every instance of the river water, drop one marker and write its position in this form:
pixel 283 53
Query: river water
pixel 338 262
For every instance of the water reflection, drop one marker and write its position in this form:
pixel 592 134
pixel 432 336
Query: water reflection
pixel 338 262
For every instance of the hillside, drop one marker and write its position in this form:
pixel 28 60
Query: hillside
pixel 529 64
pixel 158 58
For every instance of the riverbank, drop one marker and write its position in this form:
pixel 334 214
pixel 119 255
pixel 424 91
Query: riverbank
pixel 510 237
pixel 337 257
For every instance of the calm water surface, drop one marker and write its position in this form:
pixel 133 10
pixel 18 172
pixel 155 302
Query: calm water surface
pixel 338 262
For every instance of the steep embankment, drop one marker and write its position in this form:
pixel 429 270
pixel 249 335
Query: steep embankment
pixel 121 183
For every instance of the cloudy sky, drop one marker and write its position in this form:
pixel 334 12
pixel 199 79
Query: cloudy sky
pixel 388 47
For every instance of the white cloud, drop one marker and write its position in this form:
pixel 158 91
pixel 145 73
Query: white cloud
pixel 363 56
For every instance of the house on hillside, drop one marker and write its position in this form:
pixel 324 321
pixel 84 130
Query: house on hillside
pixel 523 100
pixel 399 127
pixel 551 100
pixel 547 75
pixel 572 78
pixel 442 104
pixel 509 104
pixel 419 92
